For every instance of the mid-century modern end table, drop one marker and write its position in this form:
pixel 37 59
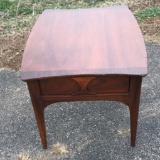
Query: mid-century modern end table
pixel 85 55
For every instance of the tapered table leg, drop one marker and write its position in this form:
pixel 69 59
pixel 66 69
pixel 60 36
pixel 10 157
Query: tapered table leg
pixel 38 110
pixel 39 114
pixel 135 89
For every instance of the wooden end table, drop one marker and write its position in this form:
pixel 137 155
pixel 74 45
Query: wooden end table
pixel 85 55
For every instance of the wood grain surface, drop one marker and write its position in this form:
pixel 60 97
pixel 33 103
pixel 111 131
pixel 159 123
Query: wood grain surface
pixel 84 42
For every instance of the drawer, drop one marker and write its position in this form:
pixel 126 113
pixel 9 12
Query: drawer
pixel 58 86
pixel 97 85
pixel 109 84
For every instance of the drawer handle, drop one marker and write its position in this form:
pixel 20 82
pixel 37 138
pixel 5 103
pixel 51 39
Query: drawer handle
pixel 83 82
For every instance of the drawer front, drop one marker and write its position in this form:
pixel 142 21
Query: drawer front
pixel 58 86
pixel 109 84
pixel 84 85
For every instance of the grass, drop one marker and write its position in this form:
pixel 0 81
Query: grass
pixel 14 8
pixel 148 12
pixel 58 149
pixel 18 16
pixel 19 7
pixel 22 156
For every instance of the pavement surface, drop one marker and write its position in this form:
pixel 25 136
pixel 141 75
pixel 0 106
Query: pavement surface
pixel 96 130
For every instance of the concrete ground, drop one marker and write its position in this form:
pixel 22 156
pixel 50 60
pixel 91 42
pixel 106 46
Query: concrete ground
pixel 91 130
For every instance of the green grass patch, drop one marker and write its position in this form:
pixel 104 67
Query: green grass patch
pixel 18 14
pixel 29 7
pixel 20 7
pixel 148 12
pixel 5 5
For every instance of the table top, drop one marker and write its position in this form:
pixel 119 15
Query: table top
pixel 95 41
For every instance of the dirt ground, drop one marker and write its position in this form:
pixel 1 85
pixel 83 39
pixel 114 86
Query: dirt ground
pixel 12 44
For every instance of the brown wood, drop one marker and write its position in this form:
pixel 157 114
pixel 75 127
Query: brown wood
pixel 58 86
pixel 85 55
pixel 38 106
pixel 84 42
pixel 130 96
pixel 109 84
pixel 135 87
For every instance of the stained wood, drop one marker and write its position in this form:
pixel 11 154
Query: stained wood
pixel 134 100
pixel 109 84
pixel 85 54
pixel 58 86
pixel 38 106
pixel 128 92
pixel 84 42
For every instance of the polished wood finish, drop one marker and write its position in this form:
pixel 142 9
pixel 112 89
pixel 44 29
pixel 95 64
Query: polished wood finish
pixel 128 93
pixel 38 106
pixel 109 84
pixel 134 98
pixel 84 42
pixel 58 86
pixel 85 55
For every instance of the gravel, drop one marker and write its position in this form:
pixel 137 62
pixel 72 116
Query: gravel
pixel 96 130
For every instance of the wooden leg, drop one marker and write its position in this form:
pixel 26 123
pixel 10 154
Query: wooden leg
pixel 39 114
pixel 38 107
pixel 135 89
